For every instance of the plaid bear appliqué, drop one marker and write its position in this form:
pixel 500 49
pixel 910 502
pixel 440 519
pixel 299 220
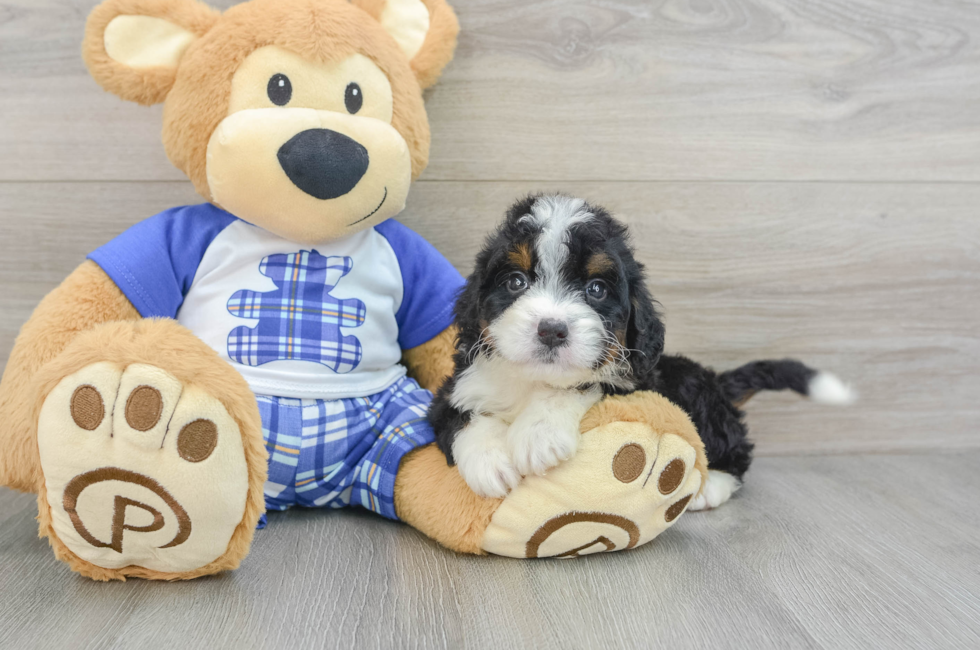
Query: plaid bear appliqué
pixel 300 320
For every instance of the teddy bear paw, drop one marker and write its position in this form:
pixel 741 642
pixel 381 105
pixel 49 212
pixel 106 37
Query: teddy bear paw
pixel 140 469
pixel 627 484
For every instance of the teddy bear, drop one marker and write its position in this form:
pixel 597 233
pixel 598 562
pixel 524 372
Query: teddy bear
pixel 277 345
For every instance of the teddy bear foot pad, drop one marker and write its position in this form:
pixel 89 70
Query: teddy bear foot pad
pixel 141 470
pixel 626 485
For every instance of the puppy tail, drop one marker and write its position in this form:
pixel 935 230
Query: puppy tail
pixel 740 384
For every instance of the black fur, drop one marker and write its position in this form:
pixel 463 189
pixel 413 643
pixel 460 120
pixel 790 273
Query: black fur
pixel 743 382
pixel 628 312
pixel 446 419
pixel 645 331
pixel 479 302
pixel 696 389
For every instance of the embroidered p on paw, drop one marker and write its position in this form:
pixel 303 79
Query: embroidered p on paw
pixel 300 320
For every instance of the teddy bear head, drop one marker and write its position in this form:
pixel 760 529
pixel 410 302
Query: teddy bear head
pixel 302 117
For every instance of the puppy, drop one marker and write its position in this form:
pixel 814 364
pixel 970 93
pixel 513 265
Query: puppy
pixel 555 315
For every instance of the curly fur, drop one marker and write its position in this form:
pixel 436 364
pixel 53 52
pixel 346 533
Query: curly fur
pixel 599 247
pixel 633 332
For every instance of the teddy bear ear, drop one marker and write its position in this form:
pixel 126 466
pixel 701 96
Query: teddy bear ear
pixel 424 29
pixel 132 47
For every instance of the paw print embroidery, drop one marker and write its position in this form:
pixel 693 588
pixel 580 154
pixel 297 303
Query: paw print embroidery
pixel 300 320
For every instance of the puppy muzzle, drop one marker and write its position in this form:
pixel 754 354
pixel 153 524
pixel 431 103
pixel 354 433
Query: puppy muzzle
pixel 552 333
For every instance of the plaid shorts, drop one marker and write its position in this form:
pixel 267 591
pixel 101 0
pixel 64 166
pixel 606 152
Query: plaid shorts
pixel 345 452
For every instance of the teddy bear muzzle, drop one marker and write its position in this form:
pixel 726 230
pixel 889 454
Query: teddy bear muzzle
pixel 308 175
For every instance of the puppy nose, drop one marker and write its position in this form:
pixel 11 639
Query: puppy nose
pixel 323 163
pixel 553 333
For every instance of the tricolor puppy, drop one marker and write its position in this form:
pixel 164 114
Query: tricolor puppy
pixel 556 315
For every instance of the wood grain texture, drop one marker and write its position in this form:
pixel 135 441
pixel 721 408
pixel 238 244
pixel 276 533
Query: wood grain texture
pixel 830 552
pixel 879 283
pixel 621 90
pixel 802 178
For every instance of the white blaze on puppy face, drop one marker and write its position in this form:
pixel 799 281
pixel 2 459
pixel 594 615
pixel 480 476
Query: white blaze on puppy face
pixel 556 215
pixel 515 332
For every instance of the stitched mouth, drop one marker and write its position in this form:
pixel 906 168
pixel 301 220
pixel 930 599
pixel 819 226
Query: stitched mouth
pixel 371 214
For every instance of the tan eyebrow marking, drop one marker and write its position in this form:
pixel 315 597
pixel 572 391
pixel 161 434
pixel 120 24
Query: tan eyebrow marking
pixel 521 256
pixel 598 263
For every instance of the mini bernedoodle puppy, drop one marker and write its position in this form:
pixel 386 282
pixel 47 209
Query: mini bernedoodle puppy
pixel 557 314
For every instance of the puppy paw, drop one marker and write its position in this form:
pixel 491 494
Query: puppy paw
pixel 492 475
pixel 539 444
pixel 718 489
pixel 482 458
pixel 547 432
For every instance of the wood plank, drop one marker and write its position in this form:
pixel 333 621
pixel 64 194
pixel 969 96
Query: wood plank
pixel 11 503
pixel 831 552
pixel 877 282
pixel 631 90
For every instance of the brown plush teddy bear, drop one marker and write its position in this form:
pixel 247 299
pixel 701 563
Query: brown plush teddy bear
pixel 276 346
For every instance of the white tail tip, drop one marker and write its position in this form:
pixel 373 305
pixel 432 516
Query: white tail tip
pixel 827 388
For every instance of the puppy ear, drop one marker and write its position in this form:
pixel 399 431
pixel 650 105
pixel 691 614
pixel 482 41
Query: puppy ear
pixel 132 47
pixel 644 331
pixel 425 30
pixel 467 312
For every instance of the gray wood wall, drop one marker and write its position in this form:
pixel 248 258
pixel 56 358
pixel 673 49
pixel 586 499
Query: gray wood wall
pixel 802 179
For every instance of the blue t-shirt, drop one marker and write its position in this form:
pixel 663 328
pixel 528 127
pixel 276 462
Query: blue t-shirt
pixel 326 321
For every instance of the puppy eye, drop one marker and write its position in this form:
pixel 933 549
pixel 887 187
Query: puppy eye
pixel 596 290
pixel 517 283
pixel 353 98
pixel 280 90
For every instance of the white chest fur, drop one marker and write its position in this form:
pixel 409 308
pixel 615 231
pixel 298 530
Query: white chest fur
pixel 497 387
pixel 519 426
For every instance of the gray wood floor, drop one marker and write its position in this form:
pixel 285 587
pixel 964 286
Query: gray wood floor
pixel 815 552
pixel 802 179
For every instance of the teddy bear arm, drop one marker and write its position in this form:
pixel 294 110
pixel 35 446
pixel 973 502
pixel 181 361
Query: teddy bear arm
pixel 86 298
pixel 431 496
pixel 588 503
pixel 430 363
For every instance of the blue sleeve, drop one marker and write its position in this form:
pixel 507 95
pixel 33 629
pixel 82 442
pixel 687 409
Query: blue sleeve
pixel 431 285
pixel 154 262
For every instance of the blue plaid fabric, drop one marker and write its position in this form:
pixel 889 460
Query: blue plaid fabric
pixel 346 452
pixel 300 319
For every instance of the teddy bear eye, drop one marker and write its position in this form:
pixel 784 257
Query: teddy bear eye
pixel 279 90
pixel 353 98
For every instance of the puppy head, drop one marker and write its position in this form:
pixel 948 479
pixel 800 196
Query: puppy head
pixel 556 291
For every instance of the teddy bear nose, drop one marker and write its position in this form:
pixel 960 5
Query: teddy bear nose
pixel 323 163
